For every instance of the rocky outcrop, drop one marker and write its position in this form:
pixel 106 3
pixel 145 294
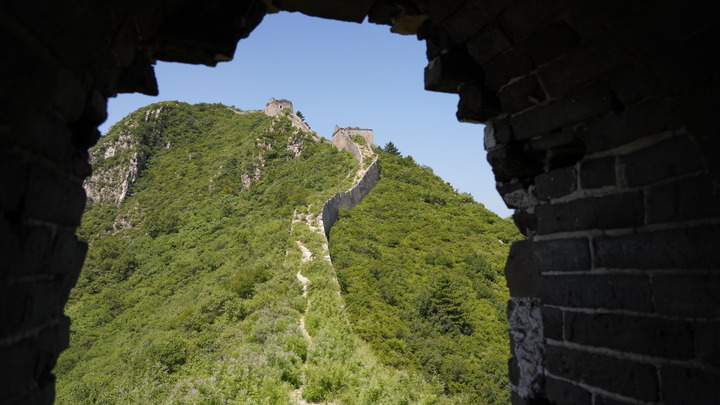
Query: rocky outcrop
pixel 111 182
pixel 350 198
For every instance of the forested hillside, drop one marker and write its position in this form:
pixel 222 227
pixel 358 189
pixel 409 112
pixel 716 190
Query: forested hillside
pixel 191 294
pixel 421 270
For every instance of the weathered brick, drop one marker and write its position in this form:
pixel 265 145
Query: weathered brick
pixel 477 103
pixel 521 94
pixel 685 248
pixel 601 400
pixel 582 65
pixel 694 198
pixel 15 304
pixel 556 183
pixel 614 375
pixel 707 335
pixel 664 160
pixel 527 15
pixel 589 18
pixel 17 371
pixel 599 291
pixel 448 70
pixel 511 64
pixel 510 162
pixel 562 255
pixel 67 257
pixel 687 295
pixel 557 149
pixel 596 173
pixel 51 197
pixel 551 41
pixel 13 172
pixel 561 392
pixel 560 113
pixel 634 334
pixel 470 17
pixel 487 44
pixel 647 118
pixel 689 386
pixel 631 84
pixel 523 278
pixel 525 221
pixel 612 211
pixel 552 319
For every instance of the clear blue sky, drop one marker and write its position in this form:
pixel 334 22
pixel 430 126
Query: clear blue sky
pixel 339 73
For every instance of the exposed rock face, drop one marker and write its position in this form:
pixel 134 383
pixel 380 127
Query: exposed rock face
pixel 117 165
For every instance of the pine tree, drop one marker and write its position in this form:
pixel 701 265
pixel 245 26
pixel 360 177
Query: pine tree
pixel 391 149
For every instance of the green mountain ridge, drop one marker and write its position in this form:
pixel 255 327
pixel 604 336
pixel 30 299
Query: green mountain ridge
pixel 198 224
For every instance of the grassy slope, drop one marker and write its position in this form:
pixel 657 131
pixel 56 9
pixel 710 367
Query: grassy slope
pixel 421 271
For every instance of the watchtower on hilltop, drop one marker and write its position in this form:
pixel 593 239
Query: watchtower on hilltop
pixel 275 106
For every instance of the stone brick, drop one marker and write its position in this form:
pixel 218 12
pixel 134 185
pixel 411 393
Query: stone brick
pixel 18 370
pixel 614 375
pixel 667 159
pixel 647 118
pixel 707 335
pixel 687 295
pixel 67 257
pixel 556 183
pixel 557 149
pixel 685 248
pixel 562 255
pixel 523 278
pixel 510 162
pixel 601 400
pixel 608 212
pixel 634 334
pixel 521 94
pixel 693 198
pixel 550 41
pixel 581 66
pixel 51 197
pixel 561 392
pixel 477 103
pixel 631 84
pixel 527 15
pixel 511 64
pixel 561 113
pixel 446 72
pixel 596 173
pixel 525 221
pixel 599 291
pixel 552 323
pixel 13 173
pixel 488 43
pixel 470 17
pixel 689 386
pixel 15 304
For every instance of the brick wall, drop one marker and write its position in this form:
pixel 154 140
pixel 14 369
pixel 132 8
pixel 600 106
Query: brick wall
pixel 601 133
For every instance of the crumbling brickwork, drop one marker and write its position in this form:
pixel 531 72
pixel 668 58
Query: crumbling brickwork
pixel 601 132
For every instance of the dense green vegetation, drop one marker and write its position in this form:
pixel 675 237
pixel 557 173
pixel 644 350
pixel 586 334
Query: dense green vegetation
pixel 185 296
pixel 420 267
pixel 189 292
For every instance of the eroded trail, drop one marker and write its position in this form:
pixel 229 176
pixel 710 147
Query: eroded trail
pixel 319 282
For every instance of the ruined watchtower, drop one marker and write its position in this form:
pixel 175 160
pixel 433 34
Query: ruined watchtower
pixel 342 139
pixel 275 106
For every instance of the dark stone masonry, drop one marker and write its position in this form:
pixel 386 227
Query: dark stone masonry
pixel 602 131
